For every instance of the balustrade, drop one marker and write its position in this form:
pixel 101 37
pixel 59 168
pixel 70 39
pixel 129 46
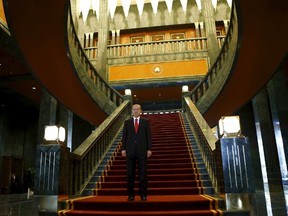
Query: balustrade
pixel 220 71
pixel 151 48
pixel 81 59
pixel 205 139
pixel 85 160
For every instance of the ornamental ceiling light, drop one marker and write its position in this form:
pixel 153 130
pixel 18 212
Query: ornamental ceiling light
pixel 154 4
pixel 198 2
pixel 126 6
pixel 184 4
pixel 140 6
pixel 95 7
pixel 84 8
pixel 169 4
pixel 112 7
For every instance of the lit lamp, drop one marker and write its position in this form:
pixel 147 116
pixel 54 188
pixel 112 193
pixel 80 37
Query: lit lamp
pixel 54 134
pixel 128 92
pixel 229 126
pixel 185 88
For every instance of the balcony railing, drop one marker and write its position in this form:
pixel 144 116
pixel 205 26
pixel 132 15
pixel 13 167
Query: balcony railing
pixel 188 46
pixel 103 94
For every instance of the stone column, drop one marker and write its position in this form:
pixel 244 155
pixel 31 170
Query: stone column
pixel 210 30
pixel 2 146
pixel 226 26
pixel 103 39
pixel 47 113
pixel 51 159
pixel 234 153
pixel 197 29
pixel 248 129
pixel 263 119
pixel 113 40
pixel 278 98
pixel 117 36
pixel 66 121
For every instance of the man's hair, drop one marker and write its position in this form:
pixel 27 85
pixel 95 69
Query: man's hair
pixel 137 105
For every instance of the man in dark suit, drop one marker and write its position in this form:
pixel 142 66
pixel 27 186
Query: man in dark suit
pixel 136 147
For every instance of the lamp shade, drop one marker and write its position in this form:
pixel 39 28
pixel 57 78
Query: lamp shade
pixel 54 133
pixel 229 126
pixel 128 92
pixel 185 88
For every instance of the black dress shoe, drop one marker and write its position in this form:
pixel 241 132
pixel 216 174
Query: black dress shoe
pixel 130 198
pixel 143 198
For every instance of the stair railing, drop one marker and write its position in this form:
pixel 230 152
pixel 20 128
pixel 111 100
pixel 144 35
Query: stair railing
pixel 205 138
pixel 104 95
pixel 206 92
pixel 85 160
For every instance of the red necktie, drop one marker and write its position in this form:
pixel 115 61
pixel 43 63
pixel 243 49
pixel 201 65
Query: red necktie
pixel 136 125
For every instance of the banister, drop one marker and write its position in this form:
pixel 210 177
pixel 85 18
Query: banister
pixel 205 138
pixel 85 160
pixel 105 95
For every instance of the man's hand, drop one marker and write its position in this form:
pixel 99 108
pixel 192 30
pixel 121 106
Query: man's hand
pixel 123 152
pixel 149 153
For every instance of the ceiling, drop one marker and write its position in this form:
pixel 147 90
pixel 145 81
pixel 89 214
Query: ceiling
pixel 16 82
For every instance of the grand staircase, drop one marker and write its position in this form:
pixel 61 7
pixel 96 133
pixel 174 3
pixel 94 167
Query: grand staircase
pixel 178 183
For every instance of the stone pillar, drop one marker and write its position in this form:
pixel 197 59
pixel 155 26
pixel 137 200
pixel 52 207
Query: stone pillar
pixel 249 130
pixel 86 40
pixel 236 164
pixel 263 119
pixel 52 160
pixel 47 113
pixel 65 119
pixel 210 30
pixel 226 26
pixel 278 98
pixel 2 146
pixel 117 36
pixel 52 177
pixel 113 41
pixel 201 29
pixel 197 29
pixel 103 39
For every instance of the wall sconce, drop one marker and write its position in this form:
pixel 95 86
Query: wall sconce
pixel 128 92
pixel 185 88
pixel 54 134
pixel 229 126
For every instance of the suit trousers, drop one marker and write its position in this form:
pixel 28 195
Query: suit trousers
pixel 141 162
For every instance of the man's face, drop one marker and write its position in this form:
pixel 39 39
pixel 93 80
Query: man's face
pixel 136 110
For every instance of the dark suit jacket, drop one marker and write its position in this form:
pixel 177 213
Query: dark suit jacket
pixel 136 144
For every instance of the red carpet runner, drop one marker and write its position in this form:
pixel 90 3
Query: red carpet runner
pixel 174 182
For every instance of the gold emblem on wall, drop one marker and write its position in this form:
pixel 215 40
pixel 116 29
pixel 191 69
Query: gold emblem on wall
pixel 157 69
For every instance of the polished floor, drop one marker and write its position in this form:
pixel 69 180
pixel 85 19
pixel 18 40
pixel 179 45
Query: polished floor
pixel 23 205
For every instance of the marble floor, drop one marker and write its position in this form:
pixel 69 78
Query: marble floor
pixel 17 204
pixel 23 205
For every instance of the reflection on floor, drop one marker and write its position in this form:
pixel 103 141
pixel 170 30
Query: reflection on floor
pixel 23 205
